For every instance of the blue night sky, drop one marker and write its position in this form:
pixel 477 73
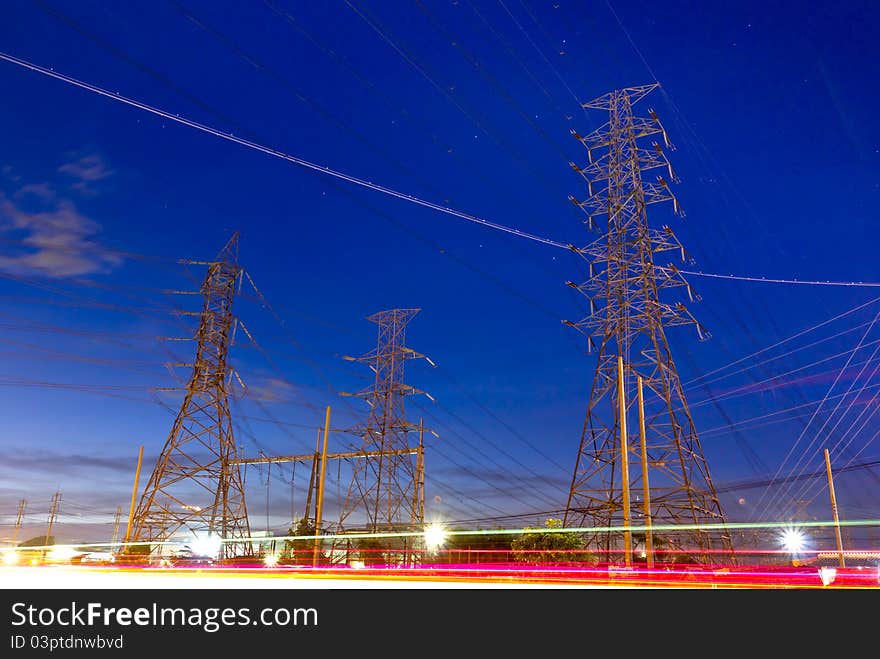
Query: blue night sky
pixel 467 103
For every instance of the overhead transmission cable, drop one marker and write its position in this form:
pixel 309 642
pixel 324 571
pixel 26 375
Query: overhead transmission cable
pixel 274 152
pixel 315 167
pixel 805 454
pixel 800 437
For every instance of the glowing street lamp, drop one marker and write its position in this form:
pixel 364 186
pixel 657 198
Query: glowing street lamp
pixel 435 536
pixel 271 560
pixel 207 546
pixel 793 541
pixel 10 557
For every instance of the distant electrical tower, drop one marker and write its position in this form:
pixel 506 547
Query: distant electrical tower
pixel 387 486
pixel 626 327
pixel 53 515
pixel 196 485
pixel 21 506
pixel 116 520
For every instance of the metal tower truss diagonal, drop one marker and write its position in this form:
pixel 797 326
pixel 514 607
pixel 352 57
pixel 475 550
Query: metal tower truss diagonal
pixel 384 490
pixel 195 490
pixel 626 328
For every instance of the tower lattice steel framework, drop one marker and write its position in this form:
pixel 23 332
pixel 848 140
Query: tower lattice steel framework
pixel 386 487
pixel 196 484
pixel 627 320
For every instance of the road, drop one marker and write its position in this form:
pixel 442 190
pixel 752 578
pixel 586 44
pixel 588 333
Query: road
pixel 457 576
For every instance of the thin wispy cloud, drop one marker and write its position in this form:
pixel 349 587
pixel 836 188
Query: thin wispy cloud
pixel 65 463
pixel 57 242
pixel 43 232
pixel 7 171
pixel 86 170
pixel 270 390
pixel 36 191
pixel 502 477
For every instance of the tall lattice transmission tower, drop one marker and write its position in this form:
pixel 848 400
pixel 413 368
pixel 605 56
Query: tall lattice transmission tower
pixel 386 486
pixel 196 486
pixel 626 327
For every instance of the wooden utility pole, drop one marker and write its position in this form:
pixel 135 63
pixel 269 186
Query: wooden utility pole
pixel 834 510
pixel 320 504
pixel 134 491
pixel 646 490
pixel 624 463
pixel 21 505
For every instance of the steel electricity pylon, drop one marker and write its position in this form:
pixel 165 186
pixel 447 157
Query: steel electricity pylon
pixel 386 487
pixel 195 490
pixel 626 327
pixel 21 506
pixel 53 515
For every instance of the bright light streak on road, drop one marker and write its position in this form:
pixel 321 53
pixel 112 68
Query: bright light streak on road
pixel 827 575
pixel 61 554
pixel 588 530
pixel 454 576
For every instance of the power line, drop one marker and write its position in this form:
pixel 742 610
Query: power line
pixel 513 55
pixel 721 429
pixel 495 84
pixel 332 172
pixel 494 416
pixel 870 403
pixel 541 53
pixel 504 493
pixel 788 455
pixel 372 88
pixel 300 95
pixel 770 280
pixel 803 492
pixel 752 388
pixel 763 362
pixel 503 452
pixel 276 153
pixel 786 340
pixel 631 41
pixel 746 485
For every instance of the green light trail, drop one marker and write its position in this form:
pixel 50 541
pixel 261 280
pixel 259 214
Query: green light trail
pixel 478 532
